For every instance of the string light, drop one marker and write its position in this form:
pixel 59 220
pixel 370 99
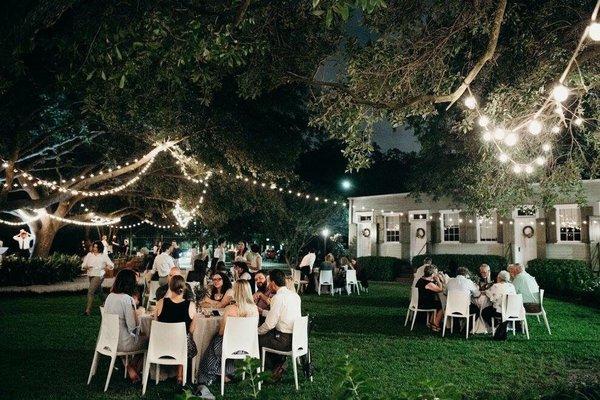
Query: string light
pixel 594 31
pixel 535 127
pixel 470 102
pixel 560 93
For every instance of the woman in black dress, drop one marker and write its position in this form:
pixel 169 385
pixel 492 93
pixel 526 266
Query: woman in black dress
pixel 429 286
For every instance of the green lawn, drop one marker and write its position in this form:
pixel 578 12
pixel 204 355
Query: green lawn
pixel 47 347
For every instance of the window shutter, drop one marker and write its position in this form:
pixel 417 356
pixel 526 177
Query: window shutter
pixel 436 226
pixel 404 231
pixel 467 230
pixel 586 212
pixel 551 226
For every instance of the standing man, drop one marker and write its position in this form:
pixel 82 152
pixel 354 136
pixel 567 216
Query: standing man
pixel 276 332
pixel 95 263
pixel 254 259
pixel 306 265
pixel 218 254
pixel 105 245
pixel 24 240
pixel 421 271
pixel 163 264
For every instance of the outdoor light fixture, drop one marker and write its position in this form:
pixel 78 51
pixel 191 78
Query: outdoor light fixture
pixel 346 184
pixel 325 233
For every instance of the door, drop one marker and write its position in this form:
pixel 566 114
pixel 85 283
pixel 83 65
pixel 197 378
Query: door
pixel 525 248
pixel 418 237
pixel 363 240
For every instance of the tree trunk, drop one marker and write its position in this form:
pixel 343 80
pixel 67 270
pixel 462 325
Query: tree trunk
pixel 44 230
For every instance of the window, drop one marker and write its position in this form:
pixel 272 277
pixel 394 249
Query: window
pixel 569 224
pixel 526 211
pixel 450 227
pixel 488 230
pixel 392 228
pixel 419 216
pixel 365 218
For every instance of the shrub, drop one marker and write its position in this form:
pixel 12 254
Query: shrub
pixel 470 261
pixel 39 271
pixel 383 268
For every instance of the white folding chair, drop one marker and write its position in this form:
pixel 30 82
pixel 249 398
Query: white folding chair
pixel 152 288
pixel 413 308
pixel 240 340
pixel 457 306
pixel 167 346
pixel 299 346
pixel 325 279
pixel 351 281
pixel 108 340
pixel 299 284
pixel 542 311
pixel 512 312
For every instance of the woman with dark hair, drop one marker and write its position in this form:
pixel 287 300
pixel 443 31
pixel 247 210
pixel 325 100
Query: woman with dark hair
pixel 241 249
pixel 175 309
pixel 94 263
pixel 221 293
pixel 121 302
pixel 429 287
pixel 243 272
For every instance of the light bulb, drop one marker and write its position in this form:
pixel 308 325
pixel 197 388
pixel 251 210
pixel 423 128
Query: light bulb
pixel 499 133
pixel 503 157
pixel 540 160
pixel 578 121
pixel 528 169
pixel 470 102
pixel 594 31
pixel 487 136
pixel 534 127
pixel 560 93
pixel 556 129
pixel 546 147
pixel 483 121
pixel 511 139
pixel 517 169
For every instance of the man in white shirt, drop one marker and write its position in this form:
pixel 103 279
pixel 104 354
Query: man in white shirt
pixel 462 283
pixel 306 265
pixel 218 254
pixel 254 259
pixel 94 263
pixel 24 240
pixel 496 293
pixel 527 286
pixel 276 332
pixel 163 264
pixel 421 271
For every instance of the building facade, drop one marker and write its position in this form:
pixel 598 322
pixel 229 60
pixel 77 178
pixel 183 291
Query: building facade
pixel 399 225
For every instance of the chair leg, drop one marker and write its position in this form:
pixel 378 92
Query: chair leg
pixel 514 328
pixel 546 322
pixel 319 289
pixel 185 367
pixel 93 367
pixel 110 370
pixel 145 376
pixel 407 316
pixel 157 373
pixel 413 319
pixel 493 328
pixel 259 382
pixel 223 376
pixel 295 363
pixel 264 355
pixel 538 317
pixel 444 326
pixel 311 377
pixel 126 364
pixel 451 325
pixel 467 329
pixel 526 328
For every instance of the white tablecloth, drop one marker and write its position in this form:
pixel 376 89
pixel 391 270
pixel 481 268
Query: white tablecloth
pixel 206 329
pixel 480 326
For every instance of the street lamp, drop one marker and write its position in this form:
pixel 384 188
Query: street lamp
pixel 325 234
pixel 346 184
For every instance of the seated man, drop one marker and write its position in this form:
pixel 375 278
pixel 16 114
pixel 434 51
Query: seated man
pixel 527 286
pixel 163 291
pixel 464 284
pixel 262 296
pixel 496 293
pixel 276 332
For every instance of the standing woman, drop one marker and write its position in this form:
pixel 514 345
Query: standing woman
pixel 95 262
pixel 240 251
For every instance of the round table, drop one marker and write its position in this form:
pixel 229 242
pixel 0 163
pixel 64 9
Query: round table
pixel 206 329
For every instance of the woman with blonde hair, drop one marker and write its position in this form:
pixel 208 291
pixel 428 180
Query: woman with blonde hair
pixel 210 365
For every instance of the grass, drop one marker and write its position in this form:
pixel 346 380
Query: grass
pixel 47 346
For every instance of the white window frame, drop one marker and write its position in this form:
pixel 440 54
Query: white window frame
pixel 442 213
pixel 385 219
pixel 412 213
pixel 495 217
pixel 358 214
pixel 559 207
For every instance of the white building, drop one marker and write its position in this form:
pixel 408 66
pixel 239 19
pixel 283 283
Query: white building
pixel 398 225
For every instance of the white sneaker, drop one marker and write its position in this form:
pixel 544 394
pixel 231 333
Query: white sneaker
pixel 205 393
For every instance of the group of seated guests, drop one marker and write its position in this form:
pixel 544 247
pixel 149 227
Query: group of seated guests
pixel 338 269
pixel 276 305
pixel 430 283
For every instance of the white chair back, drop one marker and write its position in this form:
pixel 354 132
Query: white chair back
pixel 240 338
pixel 512 308
pixel 108 339
pixel 296 276
pixel 300 336
pixel 168 343
pixel 351 277
pixel 457 303
pixel 326 278
pixel 414 299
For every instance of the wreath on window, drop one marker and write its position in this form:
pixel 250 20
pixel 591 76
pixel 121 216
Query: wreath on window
pixel 420 233
pixel 366 232
pixel 528 231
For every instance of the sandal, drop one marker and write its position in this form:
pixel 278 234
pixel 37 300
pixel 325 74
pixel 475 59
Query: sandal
pixel 435 328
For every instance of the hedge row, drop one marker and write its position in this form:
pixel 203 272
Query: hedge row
pixel 449 262
pixel 383 268
pixel 39 271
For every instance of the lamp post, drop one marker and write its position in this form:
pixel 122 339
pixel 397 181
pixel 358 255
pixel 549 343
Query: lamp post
pixel 325 234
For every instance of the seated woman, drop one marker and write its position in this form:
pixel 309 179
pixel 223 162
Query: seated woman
pixel 496 293
pixel 175 309
pixel 121 302
pixel 339 279
pixel 329 263
pixel 221 294
pixel 361 274
pixel 210 365
pixel 485 277
pixel 429 286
